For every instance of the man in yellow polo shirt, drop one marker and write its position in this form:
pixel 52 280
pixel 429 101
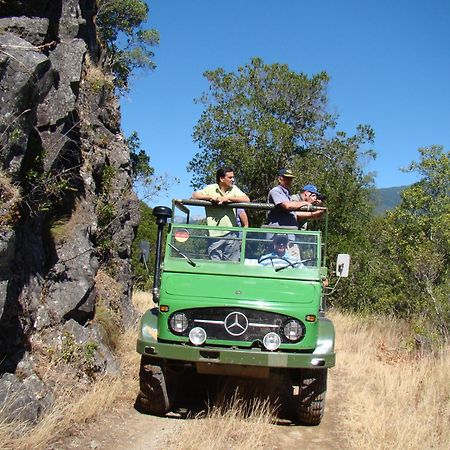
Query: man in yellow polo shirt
pixel 224 191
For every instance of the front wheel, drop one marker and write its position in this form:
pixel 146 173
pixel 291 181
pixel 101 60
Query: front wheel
pixel 157 386
pixel 311 396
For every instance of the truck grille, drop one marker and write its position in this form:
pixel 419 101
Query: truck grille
pixel 236 324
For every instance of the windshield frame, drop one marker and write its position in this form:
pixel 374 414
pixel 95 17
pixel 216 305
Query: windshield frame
pixel 182 205
pixel 204 264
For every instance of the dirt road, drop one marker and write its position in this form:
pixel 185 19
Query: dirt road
pixel 125 428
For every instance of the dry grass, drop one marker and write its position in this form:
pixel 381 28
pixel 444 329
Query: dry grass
pixel 97 78
pixel 61 229
pixel 9 201
pixel 65 225
pixel 107 307
pixel 238 424
pixel 64 415
pixel 69 409
pixel 76 402
pixel 142 301
pixel 392 398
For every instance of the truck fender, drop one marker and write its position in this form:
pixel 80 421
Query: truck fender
pixel 148 326
pixel 325 339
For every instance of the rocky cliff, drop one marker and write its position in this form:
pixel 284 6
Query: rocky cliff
pixel 67 210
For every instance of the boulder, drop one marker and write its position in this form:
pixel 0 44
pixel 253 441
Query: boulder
pixel 23 400
pixel 94 352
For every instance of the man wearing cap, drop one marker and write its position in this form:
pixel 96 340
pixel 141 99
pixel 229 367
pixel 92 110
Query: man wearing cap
pixel 311 196
pixel 283 215
pixel 280 256
pixel 225 245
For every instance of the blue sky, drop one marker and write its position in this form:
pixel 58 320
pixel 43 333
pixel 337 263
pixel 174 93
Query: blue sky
pixel 389 63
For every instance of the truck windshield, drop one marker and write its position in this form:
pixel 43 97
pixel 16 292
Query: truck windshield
pixel 263 248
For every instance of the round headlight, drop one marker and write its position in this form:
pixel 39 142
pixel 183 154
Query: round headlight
pixel 178 322
pixel 271 341
pixel 293 330
pixel 197 336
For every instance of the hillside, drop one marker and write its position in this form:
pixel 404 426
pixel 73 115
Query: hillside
pixel 387 198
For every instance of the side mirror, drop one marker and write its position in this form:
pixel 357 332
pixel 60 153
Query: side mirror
pixel 342 265
pixel 144 246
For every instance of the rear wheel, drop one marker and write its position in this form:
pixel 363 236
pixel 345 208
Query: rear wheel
pixel 157 386
pixel 311 396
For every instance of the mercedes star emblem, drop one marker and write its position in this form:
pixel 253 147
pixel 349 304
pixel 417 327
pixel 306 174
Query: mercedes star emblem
pixel 236 323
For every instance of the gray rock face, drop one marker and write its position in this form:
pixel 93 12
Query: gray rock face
pixel 32 30
pixel 26 76
pixel 71 294
pixel 59 119
pixel 7 247
pixel 101 358
pixel 67 58
pixel 23 399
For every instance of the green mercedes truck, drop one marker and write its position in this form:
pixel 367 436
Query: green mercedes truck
pixel 257 314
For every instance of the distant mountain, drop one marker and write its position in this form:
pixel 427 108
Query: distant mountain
pixel 387 198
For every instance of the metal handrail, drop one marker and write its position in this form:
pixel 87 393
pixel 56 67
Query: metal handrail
pixel 245 205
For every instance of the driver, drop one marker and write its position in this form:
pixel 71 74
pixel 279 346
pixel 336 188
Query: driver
pixel 279 257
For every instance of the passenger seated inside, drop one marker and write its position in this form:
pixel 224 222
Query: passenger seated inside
pixel 280 256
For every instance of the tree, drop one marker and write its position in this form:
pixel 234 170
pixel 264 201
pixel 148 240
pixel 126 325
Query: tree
pixel 258 120
pixel 147 231
pixel 265 117
pixel 140 161
pixel 127 43
pixel 416 236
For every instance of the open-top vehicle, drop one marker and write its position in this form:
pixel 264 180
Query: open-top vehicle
pixel 254 316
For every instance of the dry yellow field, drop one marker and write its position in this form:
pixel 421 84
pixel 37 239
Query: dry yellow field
pixel 392 398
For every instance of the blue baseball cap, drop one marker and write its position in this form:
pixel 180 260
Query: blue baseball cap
pixel 311 188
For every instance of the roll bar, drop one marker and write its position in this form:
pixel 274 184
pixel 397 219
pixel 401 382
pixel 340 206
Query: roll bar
pixel 181 204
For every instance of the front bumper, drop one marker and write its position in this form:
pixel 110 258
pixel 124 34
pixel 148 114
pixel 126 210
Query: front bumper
pixel 247 357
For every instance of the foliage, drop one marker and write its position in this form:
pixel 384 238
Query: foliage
pixel 416 237
pixel 140 161
pixel 97 79
pixel 128 44
pixel 106 213
pixel 9 201
pixel 46 190
pixel 147 231
pixel 80 356
pixel 264 113
pixel 408 256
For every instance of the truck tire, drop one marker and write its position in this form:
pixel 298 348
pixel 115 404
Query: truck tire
pixel 311 396
pixel 157 387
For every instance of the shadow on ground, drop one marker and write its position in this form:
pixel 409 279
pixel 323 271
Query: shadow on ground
pixel 199 394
